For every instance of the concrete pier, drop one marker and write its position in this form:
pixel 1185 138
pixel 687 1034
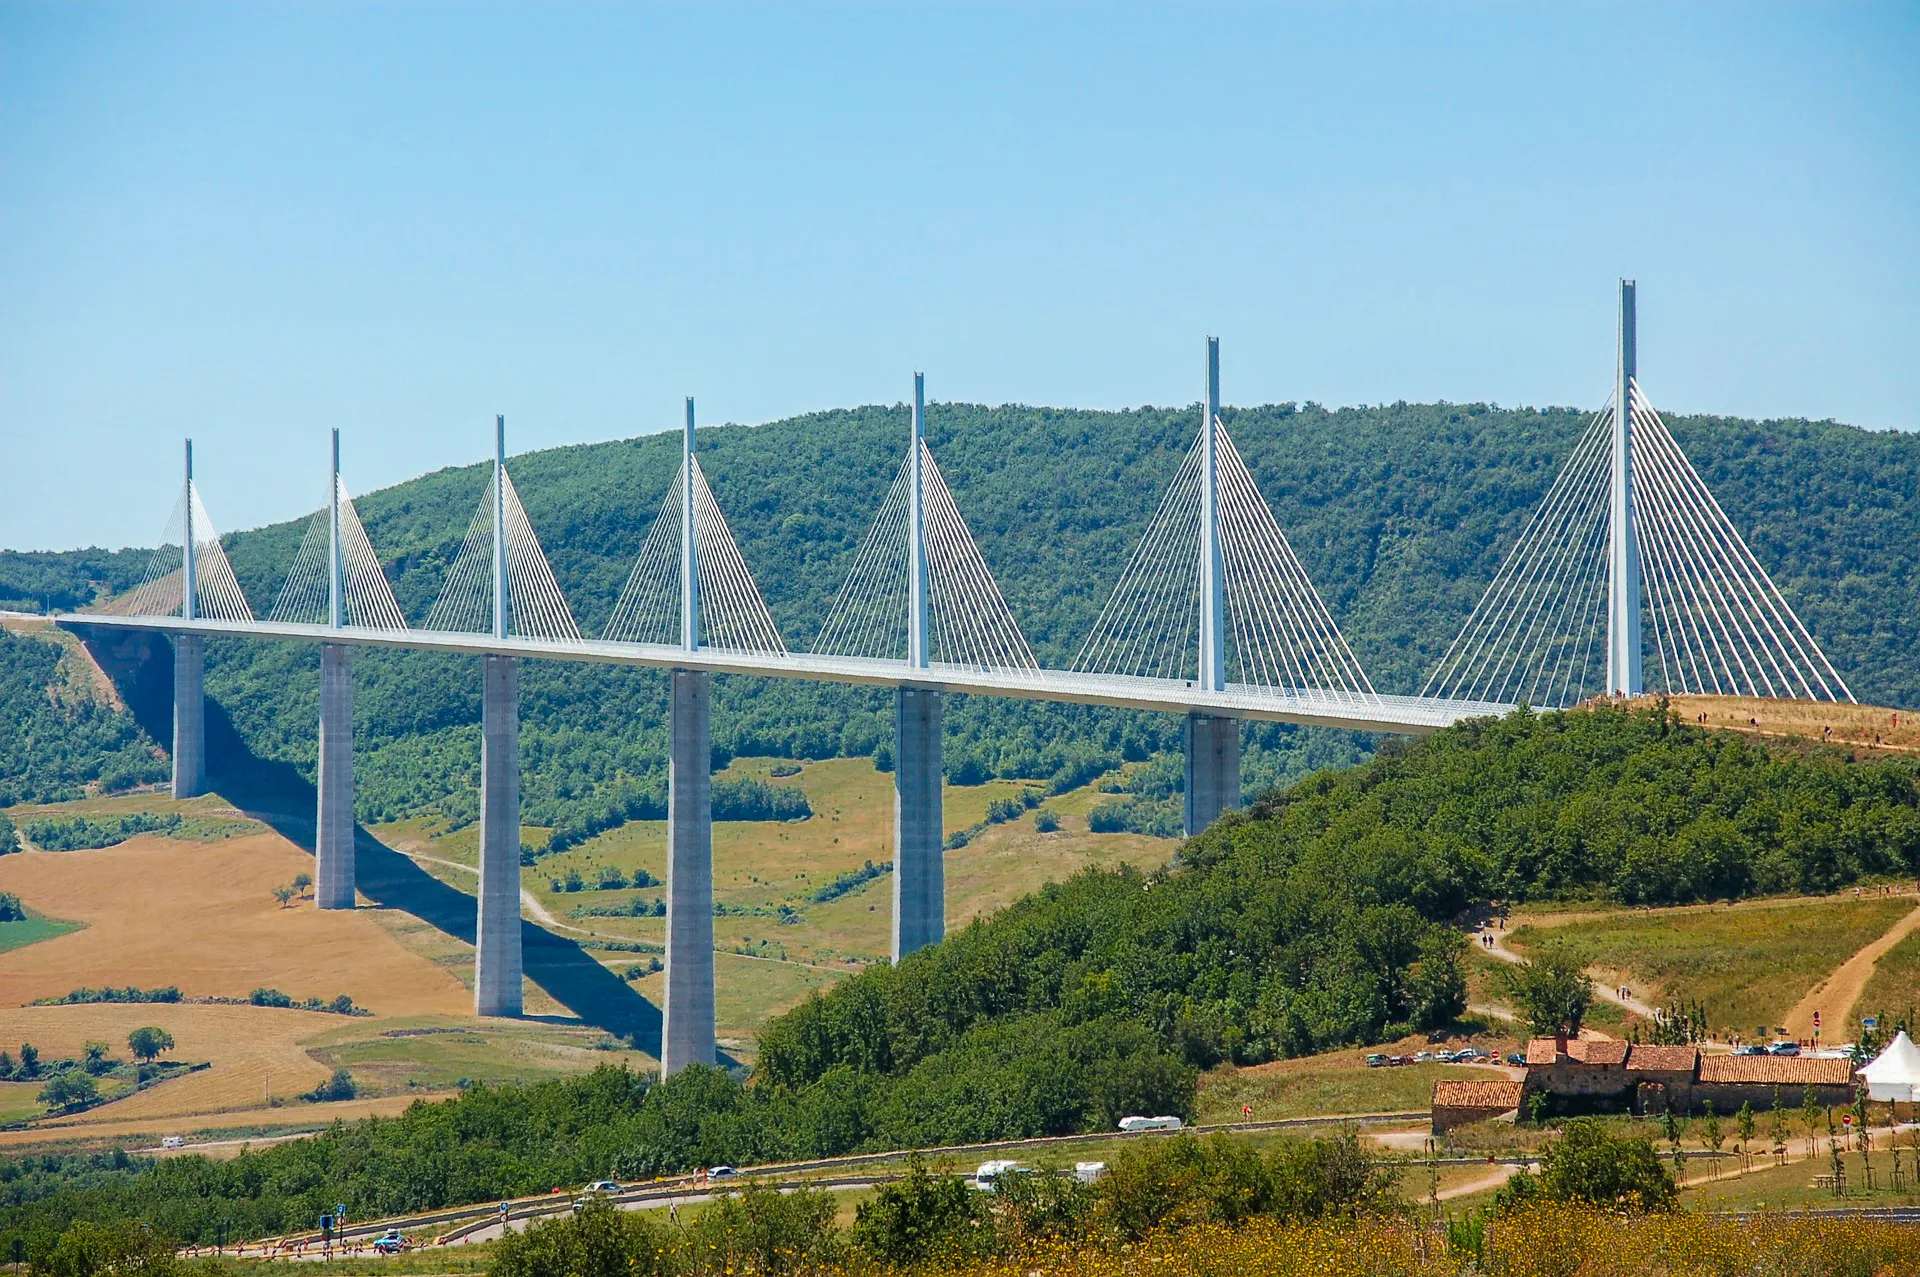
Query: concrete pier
pixel 189 716
pixel 333 828
pixel 496 975
pixel 919 864
pixel 1213 769
pixel 687 1032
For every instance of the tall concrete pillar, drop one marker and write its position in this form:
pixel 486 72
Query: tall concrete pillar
pixel 1625 673
pixel 496 975
pixel 333 831
pixel 1213 769
pixel 687 1031
pixel 919 864
pixel 189 715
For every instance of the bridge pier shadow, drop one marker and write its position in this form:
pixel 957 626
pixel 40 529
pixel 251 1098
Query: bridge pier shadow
pixel 141 667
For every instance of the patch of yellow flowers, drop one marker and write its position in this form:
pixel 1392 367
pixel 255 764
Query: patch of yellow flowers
pixel 1550 1241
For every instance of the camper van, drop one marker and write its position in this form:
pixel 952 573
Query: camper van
pixel 989 1173
pixel 1132 1124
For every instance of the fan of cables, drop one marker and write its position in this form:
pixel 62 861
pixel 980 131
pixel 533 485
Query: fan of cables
pixel 1716 623
pixel 732 615
pixel 216 593
pixel 968 621
pixel 535 607
pixel 367 598
pixel 1282 637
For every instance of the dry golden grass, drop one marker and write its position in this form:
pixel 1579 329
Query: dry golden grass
pixel 1869 727
pixel 202 916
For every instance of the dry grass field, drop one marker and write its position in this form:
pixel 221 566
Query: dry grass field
pixel 199 914
pixel 1865 727
pixel 1749 963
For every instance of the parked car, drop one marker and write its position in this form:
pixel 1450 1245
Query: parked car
pixel 1784 1048
pixel 1087 1172
pixel 721 1172
pixel 172 1141
pixel 1376 1060
pixel 1518 1059
pixel 604 1186
pixel 1751 1048
pixel 391 1242
pixel 1423 1057
pixel 1397 1060
pixel 1131 1124
pixel 1468 1055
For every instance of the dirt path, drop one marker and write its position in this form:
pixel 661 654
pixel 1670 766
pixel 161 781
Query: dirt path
pixel 528 901
pixel 1836 994
pixel 1606 993
pixel 1492 1179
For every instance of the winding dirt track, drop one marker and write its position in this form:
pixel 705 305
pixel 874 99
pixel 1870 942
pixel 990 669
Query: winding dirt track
pixel 1836 994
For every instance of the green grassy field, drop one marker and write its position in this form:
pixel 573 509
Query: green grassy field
pixel 26 931
pixel 1791 1187
pixel 1895 986
pixel 1748 963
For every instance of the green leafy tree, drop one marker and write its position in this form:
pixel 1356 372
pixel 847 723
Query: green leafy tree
pixel 301 881
pixel 116 1249
pixel 1744 1124
pixel 1590 1165
pixel 764 1230
pixel 96 1060
pixel 597 1241
pixel 69 1091
pixel 923 1217
pixel 148 1043
pixel 1810 1113
pixel 1553 992
pixel 29 1066
pixel 285 894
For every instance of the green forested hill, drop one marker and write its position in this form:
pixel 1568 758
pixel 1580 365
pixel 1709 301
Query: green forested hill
pixel 1400 512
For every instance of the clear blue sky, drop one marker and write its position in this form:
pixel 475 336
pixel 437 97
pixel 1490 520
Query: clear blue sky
pixel 253 222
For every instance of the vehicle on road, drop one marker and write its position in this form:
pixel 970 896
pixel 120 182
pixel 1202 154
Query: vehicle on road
pixel 603 1186
pixel 391 1242
pixel 1137 1123
pixel 1784 1048
pixel 987 1176
pixel 1518 1059
pixel 1376 1060
pixel 721 1172
pixel 1752 1048
pixel 172 1141
pixel 1423 1057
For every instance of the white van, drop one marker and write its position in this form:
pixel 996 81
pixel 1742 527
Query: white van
pixel 989 1173
pixel 172 1141
pixel 1088 1172
pixel 1131 1124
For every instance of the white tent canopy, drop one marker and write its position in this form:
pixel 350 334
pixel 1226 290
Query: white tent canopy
pixel 1894 1074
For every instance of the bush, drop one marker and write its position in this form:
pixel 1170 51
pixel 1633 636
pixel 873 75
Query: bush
pixel 1185 1181
pixel 1589 1165
pixel 82 834
pixel 124 1249
pixel 923 1217
pixel 338 1087
pixel 11 910
pixel 1045 822
pixel 763 1230
pixel 69 1092
pixel 9 837
pixel 598 1241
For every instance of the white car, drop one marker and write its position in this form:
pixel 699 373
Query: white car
pixel 721 1172
pixel 603 1186
pixel 1131 1124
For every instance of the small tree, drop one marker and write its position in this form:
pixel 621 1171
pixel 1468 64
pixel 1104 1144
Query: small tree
pixel 284 894
pixel 1777 1127
pixel 301 882
pixel 1715 1136
pixel 1810 1114
pixel 147 1043
pixel 69 1092
pixel 96 1061
pixel 29 1066
pixel 1744 1124
pixel 1552 992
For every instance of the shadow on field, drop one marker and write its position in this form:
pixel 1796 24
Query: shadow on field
pixel 141 667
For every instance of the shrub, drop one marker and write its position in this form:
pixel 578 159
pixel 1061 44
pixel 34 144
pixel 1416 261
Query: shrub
pixel 1045 822
pixel 69 1092
pixel 11 910
pixel 338 1087
pixel 1590 1165
pixel 598 1241
pixel 124 1249
pixel 922 1217
pixel 763 1230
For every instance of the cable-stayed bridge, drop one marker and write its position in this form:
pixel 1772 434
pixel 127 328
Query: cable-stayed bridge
pixel 1213 616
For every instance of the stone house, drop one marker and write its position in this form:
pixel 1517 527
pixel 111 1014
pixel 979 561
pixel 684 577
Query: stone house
pixel 1458 1102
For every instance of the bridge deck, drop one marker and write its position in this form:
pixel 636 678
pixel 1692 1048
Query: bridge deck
pixel 1399 714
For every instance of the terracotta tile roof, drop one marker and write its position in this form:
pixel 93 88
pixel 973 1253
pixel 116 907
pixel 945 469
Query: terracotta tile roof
pixel 1611 1051
pixel 1540 1051
pixel 1775 1070
pixel 1496 1095
pixel 1662 1059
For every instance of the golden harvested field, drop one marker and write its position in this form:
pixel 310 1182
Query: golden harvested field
pixel 200 915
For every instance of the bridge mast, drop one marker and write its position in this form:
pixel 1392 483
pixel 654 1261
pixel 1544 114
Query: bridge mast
pixel 497 958
pixel 687 1025
pixel 919 868
pixel 1624 670
pixel 1212 743
pixel 333 850
pixel 189 669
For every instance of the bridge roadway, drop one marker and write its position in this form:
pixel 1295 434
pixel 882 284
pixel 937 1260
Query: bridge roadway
pixel 1409 715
